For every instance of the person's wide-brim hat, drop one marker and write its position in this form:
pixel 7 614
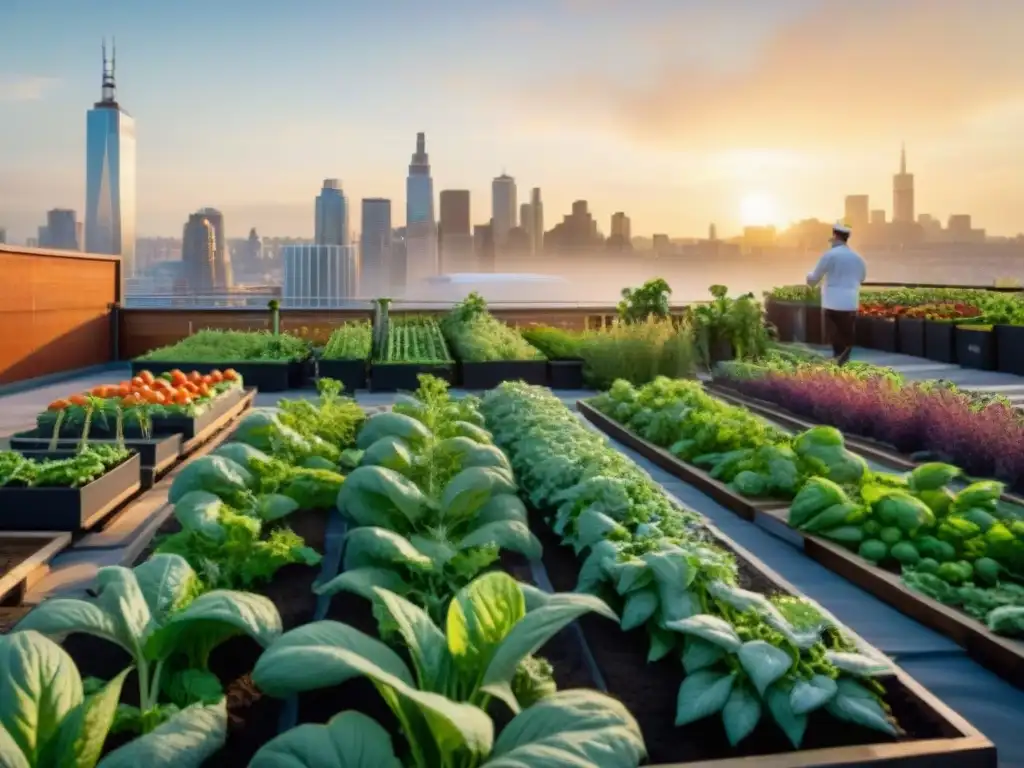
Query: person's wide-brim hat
pixel 841 228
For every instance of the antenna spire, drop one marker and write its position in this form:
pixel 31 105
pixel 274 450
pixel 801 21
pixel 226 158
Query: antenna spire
pixel 108 84
pixel 903 158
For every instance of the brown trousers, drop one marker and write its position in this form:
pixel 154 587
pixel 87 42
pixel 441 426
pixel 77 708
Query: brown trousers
pixel 841 327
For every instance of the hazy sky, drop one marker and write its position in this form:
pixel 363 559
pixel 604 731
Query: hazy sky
pixel 675 111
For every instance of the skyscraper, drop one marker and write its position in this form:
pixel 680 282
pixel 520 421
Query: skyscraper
pixel 3 236
pixel 857 212
pixel 110 175
pixel 903 193
pixel 421 261
pixel 537 221
pixel 332 215
pixel 456 232
pixel 526 222
pixel 199 253
pixel 61 230
pixel 222 276
pixel 319 275
pixel 375 246
pixel 503 208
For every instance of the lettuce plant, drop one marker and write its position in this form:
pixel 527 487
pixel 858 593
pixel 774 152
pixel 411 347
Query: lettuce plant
pixel 152 613
pixel 745 656
pixel 456 673
pixel 570 729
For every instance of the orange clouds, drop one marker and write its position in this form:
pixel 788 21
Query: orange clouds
pixel 847 72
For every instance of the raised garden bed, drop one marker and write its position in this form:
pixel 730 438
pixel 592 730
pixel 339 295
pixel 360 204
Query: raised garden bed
pixel 156 454
pixel 877 333
pixel 869 449
pixel 910 336
pixel 699 479
pixel 69 509
pixel 1010 349
pixel 23 559
pixel 935 734
pixel 975 348
pixel 266 376
pixel 1003 655
pixel 565 374
pixel 939 344
pixel 351 373
pixel 403 377
pixel 488 375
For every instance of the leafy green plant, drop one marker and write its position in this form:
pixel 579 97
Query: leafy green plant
pixel 733 325
pixel 332 418
pixel 351 341
pixel 477 336
pixel 441 702
pixel 152 612
pixel 648 301
pixel 413 340
pixel 746 656
pixel 218 346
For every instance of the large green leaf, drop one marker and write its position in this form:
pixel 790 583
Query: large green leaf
pixel 381 496
pixel 509 535
pixel 119 594
pixel 468 492
pixel 425 642
pixel 502 506
pixel 856 704
pixel 809 695
pixel 348 740
pixel 710 628
pixel 673 574
pixel 481 616
pixel 473 453
pixel 792 724
pixel 11 755
pixel 570 729
pixel 639 607
pixel 210 620
pixel 82 734
pixel 859 664
pixel 529 634
pixel 200 511
pixel 370 547
pixel 439 551
pixel 389 423
pixel 699 653
pixel 186 740
pixel 167 581
pixel 390 452
pixel 741 714
pixel 39 687
pixel 702 694
pixel 593 526
pixel 316 655
pixel 764 663
pixel 363 582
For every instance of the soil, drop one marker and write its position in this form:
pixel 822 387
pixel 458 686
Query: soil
pixel 650 691
pixel 252 718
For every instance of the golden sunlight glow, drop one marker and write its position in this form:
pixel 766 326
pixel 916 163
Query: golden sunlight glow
pixel 759 210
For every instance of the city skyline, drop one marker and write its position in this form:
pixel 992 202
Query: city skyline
pixel 965 145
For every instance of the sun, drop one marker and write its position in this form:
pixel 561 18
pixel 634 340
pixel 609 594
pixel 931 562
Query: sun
pixel 758 210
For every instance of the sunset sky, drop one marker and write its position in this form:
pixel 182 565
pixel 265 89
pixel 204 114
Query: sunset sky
pixel 679 112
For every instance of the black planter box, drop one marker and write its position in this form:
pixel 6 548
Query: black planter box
pixel 264 376
pixel 813 331
pixel 1010 349
pixel 490 374
pixel 910 336
pixel 395 377
pixel 862 332
pixel 883 333
pixel 104 427
pixel 351 373
pixel 155 453
pixel 301 375
pixel 565 374
pixel 782 314
pixel 975 348
pixel 69 509
pixel 938 342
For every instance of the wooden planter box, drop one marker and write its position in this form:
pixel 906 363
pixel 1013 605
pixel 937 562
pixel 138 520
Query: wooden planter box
pixel 69 509
pixel 269 376
pixel 698 478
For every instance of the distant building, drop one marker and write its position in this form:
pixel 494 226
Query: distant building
pixel 483 245
pixel 526 222
pixel 455 213
pixel 223 278
pixel 536 221
pixel 518 241
pixel 319 275
pixel 3 236
pixel 877 217
pixel 661 244
pixel 375 247
pixel 712 233
pixel 43 236
pixel 577 230
pixel 421 250
pixel 621 236
pixel 110 176
pixel 960 230
pixel 503 208
pixel 903 193
pixel 199 254
pixel 61 230
pixel 332 226
pixel 857 216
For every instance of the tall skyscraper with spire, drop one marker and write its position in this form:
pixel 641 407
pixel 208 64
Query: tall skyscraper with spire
pixel 903 192
pixel 421 226
pixel 110 174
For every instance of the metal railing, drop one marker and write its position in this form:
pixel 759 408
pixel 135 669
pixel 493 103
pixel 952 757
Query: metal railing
pixel 249 302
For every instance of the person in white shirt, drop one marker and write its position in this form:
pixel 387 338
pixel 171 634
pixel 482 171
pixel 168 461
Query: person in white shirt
pixel 843 271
